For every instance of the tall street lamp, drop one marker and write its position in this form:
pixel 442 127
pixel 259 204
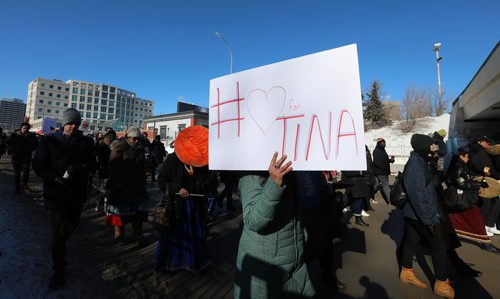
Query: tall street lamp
pixel 437 46
pixel 218 35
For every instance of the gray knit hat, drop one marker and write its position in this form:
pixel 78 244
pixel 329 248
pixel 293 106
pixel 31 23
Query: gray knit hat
pixel 71 115
pixel 134 132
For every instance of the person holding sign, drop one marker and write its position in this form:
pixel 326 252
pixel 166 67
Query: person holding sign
pixel 269 262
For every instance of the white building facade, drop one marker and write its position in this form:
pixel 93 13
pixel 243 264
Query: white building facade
pixel 100 105
pixel 46 98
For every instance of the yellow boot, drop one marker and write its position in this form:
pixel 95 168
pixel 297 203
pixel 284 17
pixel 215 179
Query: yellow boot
pixel 443 288
pixel 408 276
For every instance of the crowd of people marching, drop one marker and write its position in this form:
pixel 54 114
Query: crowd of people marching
pixel 290 218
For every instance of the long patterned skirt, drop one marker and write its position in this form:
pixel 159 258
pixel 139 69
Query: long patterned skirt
pixel 469 224
pixel 184 246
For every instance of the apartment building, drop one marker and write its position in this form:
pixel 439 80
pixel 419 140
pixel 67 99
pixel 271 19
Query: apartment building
pixel 12 112
pixel 101 105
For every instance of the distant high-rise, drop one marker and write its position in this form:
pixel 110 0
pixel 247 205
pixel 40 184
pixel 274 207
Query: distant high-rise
pixel 12 112
pixel 101 105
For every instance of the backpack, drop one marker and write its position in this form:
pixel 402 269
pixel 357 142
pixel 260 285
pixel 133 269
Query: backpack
pixel 398 192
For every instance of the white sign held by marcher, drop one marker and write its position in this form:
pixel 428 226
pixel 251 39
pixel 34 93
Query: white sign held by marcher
pixel 308 108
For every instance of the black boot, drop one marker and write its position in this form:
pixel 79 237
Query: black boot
pixel 360 222
pixel 489 247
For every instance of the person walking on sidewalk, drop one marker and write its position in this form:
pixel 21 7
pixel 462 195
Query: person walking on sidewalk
pixel 423 217
pixel 382 169
pixel 64 160
pixel 126 187
pixel 22 143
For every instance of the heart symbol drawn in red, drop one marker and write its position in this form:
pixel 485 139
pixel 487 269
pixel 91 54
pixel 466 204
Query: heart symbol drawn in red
pixel 264 107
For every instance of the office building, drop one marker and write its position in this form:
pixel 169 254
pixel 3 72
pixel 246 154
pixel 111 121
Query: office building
pixel 12 112
pixel 100 105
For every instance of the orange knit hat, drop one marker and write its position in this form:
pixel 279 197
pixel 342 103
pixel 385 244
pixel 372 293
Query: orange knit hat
pixel 191 146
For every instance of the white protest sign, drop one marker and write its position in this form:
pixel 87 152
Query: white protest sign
pixel 308 108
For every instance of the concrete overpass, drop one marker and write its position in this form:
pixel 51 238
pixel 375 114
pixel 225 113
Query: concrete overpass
pixel 476 111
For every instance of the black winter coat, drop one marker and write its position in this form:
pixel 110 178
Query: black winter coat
pixel 358 184
pixel 381 163
pixel 460 178
pixel 56 154
pixel 127 174
pixel 420 191
pixel 174 176
pixel 22 146
pixel 479 160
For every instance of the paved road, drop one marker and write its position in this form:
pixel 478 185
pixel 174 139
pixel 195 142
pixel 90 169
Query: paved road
pixel 99 269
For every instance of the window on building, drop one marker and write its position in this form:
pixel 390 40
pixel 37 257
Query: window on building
pixel 74 98
pixel 112 89
pixel 89 100
pixel 112 103
pixel 50 102
pixel 40 109
pixel 111 110
pixel 96 108
pixel 73 105
pixel 102 116
pixel 51 94
pixel 42 93
pixel 89 107
pixel 51 86
pixel 67 88
pixel 95 115
pixel 42 84
pixel 182 127
pixel 81 106
pixel 96 101
pixel 88 115
pixel 40 101
pixel 103 109
pixel 163 132
pixel 104 102
pixel 57 111
pixel 75 89
pixel 96 93
pixel 65 97
pixel 90 92
pixel 110 117
pixel 49 110
pixel 58 95
pixel 104 95
pixel 65 104
pixel 104 88
pixel 82 98
pixel 111 96
pixel 82 91
pixel 92 128
pixel 39 117
pixel 58 103
pixel 59 88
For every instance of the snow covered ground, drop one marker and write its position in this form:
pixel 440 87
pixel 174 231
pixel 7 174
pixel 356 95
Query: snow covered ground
pixel 398 143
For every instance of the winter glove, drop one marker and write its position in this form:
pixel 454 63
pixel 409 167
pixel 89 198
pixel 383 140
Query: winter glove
pixel 484 184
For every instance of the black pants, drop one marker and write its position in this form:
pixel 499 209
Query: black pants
pixel 19 166
pixel 64 222
pixel 490 209
pixel 414 233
